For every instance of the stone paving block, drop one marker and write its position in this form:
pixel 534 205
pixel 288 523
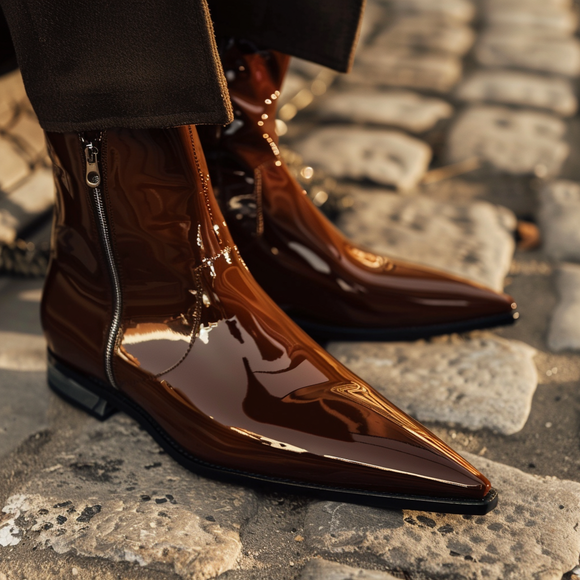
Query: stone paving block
pixel 519 88
pixel 472 240
pixel 386 157
pixel 319 569
pixel 533 533
pixel 13 168
pixel 564 330
pixel 458 10
pixel 305 68
pixel 517 142
pixel 23 389
pixel 293 83
pixel 531 18
pixel 12 92
pixel 118 497
pixel 29 134
pixel 401 67
pixel 404 109
pixel 559 218
pixel 31 199
pixel 23 411
pixel 375 15
pixel 475 382
pixel 499 4
pixel 24 396
pixel 534 52
pixel 22 352
pixel 422 32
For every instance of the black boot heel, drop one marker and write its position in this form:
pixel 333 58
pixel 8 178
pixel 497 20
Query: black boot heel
pixel 71 387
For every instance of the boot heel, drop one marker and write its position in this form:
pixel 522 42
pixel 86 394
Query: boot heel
pixel 69 386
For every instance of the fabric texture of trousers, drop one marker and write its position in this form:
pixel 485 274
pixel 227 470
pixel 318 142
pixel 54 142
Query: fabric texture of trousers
pixel 96 64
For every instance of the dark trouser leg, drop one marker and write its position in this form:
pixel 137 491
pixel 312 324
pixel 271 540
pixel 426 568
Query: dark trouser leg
pixel 7 54
pixel 322 31
pixel 94 64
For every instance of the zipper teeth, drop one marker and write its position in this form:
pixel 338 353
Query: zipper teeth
pixel 116 320
pixel 105 235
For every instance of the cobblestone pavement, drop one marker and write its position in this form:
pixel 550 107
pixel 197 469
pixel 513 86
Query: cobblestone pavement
pixel 456 132
pixel 26 185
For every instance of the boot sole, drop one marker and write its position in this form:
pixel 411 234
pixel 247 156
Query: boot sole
pixel 325 333
pixel 101 402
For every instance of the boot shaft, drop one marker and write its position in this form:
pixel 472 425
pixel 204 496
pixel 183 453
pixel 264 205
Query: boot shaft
pixel 126 250
pixel 254 82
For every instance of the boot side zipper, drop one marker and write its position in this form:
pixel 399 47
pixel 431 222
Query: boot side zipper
pixel 93 180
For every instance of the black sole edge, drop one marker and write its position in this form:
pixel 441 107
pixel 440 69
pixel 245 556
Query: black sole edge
pixel 101 402
pixel 325 333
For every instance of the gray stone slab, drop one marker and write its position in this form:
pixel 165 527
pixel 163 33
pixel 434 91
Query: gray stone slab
pixel 307 69
pixel 117 497
pixel 422 32
pixel 29 134
pixel 499 4
pixel 11 93
pixel 532 18
pixel 23 391
pixel 517 142
pixel 293 84
pixel 453 10
pixel 404 109
pixel 386 157
pixel 375 17
pixel 23 412
pixel 13 168
pixel 471 240
pixel 510 87
pixel 319 569
pixel 22 352
pixel 564 333
pixel 33 197
pixel 401 67
pixel 533 533
pixel 508 48
pixel 559 219
pixel 475 382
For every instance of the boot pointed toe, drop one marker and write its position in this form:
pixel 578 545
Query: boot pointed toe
pixel 331 287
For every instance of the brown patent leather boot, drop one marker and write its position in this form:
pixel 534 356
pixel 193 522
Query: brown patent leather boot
pixel 148 308
pixel 329 285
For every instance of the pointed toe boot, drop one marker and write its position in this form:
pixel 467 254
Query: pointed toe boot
pixel 148 308
pixel 333 288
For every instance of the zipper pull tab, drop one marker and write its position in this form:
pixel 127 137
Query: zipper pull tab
pixel 93 174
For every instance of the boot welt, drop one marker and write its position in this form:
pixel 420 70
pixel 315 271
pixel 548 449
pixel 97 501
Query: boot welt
pixel 326 332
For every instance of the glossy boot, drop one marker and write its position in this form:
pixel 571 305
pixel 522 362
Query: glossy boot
pixel 148 308
pixel 331 286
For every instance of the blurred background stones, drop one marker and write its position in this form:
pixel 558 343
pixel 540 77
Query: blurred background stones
pixel 386 157
pixel 565 326
pixel 26 185
pixel 519 142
